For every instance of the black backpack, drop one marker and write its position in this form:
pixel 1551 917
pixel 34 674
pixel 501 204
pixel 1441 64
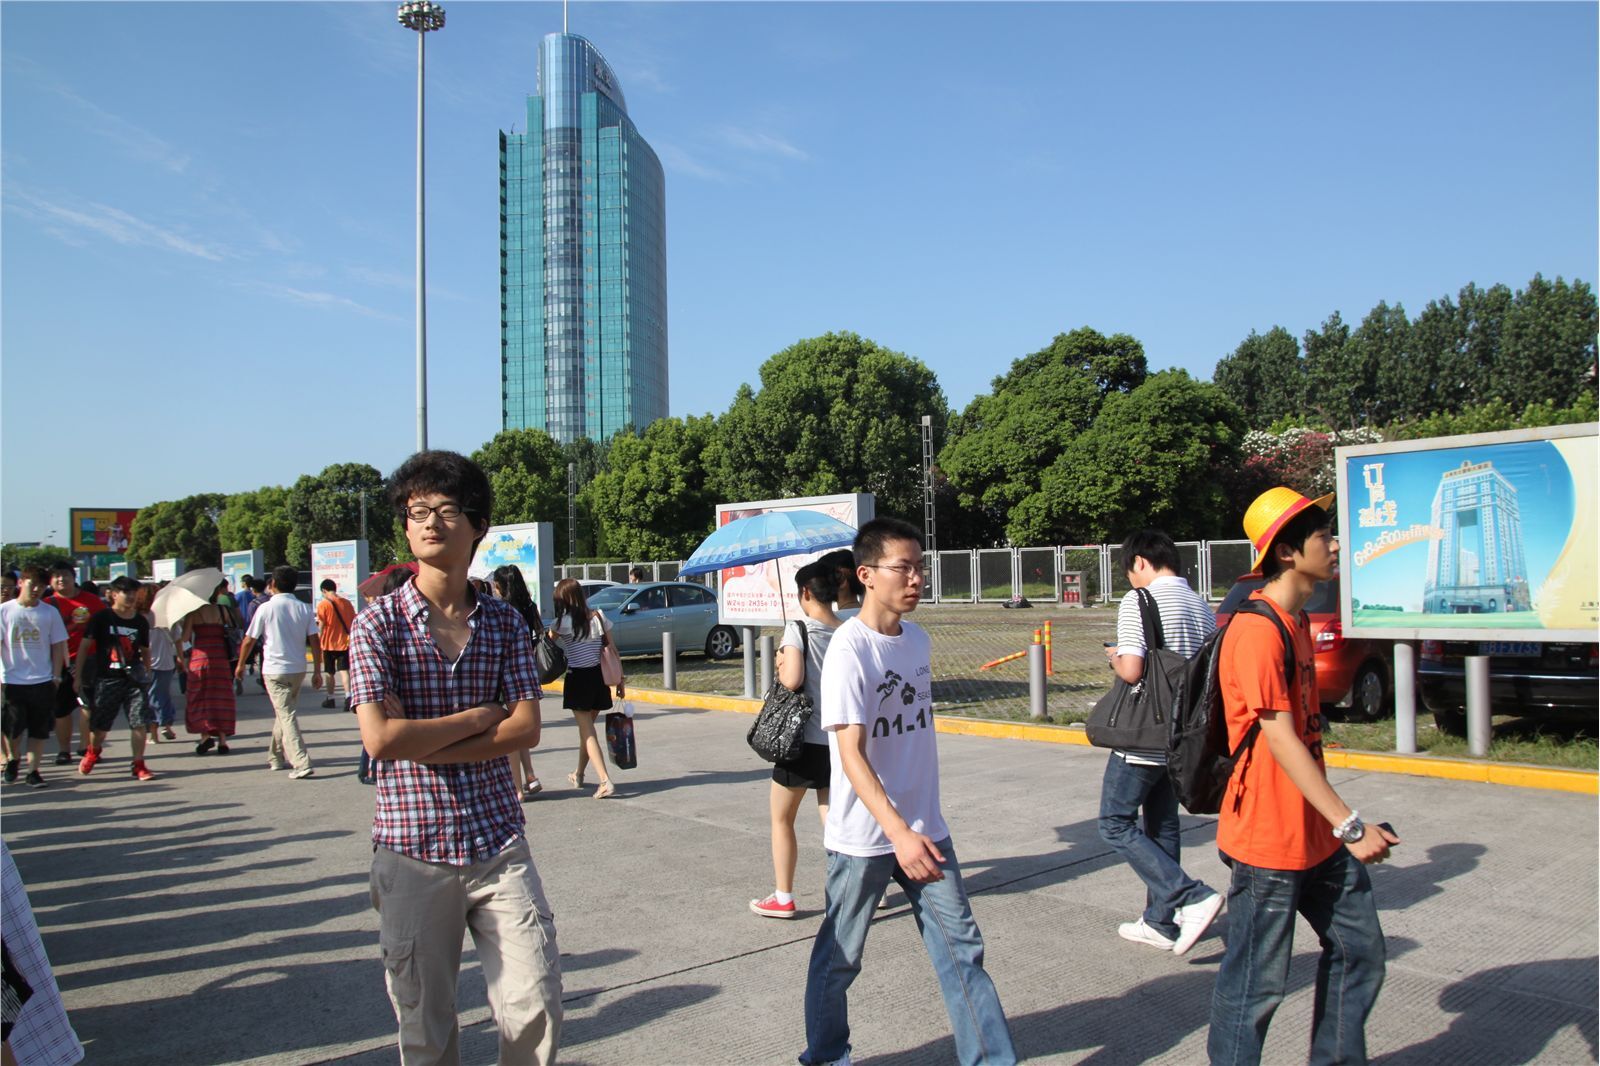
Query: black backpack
pixel 1198 760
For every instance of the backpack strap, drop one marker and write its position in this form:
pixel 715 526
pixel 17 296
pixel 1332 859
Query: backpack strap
pixel 1261 610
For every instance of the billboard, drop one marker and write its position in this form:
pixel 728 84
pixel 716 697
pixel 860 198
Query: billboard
pixel 530 547
pixel 763 594
pixel 99 531
pixel 235 565
pixel 1490 536
pixel 165 569
pixel 342 561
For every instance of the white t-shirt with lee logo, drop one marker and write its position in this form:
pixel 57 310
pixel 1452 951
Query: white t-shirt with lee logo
pixel 26 636
pixel 883 684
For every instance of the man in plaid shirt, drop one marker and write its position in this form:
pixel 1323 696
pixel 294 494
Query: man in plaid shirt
pixel 445 686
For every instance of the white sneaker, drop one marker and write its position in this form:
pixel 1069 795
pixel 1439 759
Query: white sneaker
pixel 300 775
pixel 845 1061
pixel 1140 933
pixel 1194 920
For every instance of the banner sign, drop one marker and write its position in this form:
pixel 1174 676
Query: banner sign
pixel 763 594
pixel 1491 536
pixel 343 561
pixel 530 547
pixel 99 530
pixel 121 570
pixel 235 565
pixel 165 569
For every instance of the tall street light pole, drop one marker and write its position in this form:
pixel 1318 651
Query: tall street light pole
pixel 421 16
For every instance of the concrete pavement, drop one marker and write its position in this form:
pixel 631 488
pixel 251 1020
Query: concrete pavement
pixel 220 913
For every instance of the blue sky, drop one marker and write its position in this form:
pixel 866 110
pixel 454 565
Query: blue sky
pixel 207 256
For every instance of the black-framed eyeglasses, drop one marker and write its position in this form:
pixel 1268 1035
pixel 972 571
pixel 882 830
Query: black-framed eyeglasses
pixel 903 569
pixel 419 512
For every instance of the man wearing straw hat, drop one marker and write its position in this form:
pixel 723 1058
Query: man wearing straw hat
pixel 1293 845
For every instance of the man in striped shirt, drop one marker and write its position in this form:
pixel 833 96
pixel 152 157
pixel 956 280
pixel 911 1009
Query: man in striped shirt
pixel 445 687
pixel 1178 909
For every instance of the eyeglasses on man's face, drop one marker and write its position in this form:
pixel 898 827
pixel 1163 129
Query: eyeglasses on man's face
pixel 419 512
pixel 905 570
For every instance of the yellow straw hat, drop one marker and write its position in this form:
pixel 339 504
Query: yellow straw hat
pixel 1270 512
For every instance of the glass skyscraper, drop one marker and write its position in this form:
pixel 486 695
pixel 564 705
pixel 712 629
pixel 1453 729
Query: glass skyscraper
pixel 583 257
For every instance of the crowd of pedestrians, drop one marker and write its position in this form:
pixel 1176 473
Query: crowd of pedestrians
pixel 443 678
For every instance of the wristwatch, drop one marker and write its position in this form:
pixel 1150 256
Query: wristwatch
pixel 1351 829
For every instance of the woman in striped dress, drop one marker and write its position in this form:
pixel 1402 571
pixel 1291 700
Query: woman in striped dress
pixel 210 710
pixel 582 634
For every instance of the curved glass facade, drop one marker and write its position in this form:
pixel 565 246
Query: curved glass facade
pixel 583 280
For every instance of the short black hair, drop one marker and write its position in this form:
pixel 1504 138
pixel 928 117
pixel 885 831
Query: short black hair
pixel 449 474
pixel 35 572
pixel 1154 547
pixel 843 562
pixel 819 579
pixel 873 538
pixel 61 566
pixel 1294 534
pixel 285 578
pixel 124 584
pixel 329 585
pixel 637 572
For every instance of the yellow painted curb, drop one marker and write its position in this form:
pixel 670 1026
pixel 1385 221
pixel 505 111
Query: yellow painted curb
pixel 1555 779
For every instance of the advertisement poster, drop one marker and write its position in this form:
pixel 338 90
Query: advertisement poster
pixel 530 548
pixel 235 565
pixel 1492 535
pixel 345 562
pixel 165 569
pixel 763 594
pixel 100 531
pixel 117 570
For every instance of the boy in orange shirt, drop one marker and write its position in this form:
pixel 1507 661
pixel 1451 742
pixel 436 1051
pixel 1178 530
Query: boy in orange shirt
pixel 334 616
pixel 1292 843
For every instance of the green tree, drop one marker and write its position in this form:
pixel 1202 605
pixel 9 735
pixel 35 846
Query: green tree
pixel 1264 376
pixel 654 500
pixel 1547 349
pixel 836 413
pixel 1001 445
pixel 1393 384
pixel 258 519
pixel 1151 458
pixel 1330 379
pixel 327 506
pixel 15 556
pixel 183 529
pixel 528 472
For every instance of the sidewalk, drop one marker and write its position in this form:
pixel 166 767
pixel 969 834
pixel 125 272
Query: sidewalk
pixel 220 913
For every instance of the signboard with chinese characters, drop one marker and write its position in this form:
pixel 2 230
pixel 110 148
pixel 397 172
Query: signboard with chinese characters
pixel 530 547
pixel 235 565
pixel 763 594
pixel 342 561
pixel 1490 536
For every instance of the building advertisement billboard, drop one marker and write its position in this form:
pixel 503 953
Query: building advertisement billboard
pixel 117 570
pixel 763 594
pixel 530 547
pixel 343 561
pixel 1490 536
pixel 100 531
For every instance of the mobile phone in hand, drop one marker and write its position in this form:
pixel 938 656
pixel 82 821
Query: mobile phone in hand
pixel 1387 828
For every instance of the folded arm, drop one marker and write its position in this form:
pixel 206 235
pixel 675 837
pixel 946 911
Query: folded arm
pixel 517 730
pixel 387 737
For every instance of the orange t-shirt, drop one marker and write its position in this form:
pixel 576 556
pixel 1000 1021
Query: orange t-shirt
pixel 333 623
pixel 1265 821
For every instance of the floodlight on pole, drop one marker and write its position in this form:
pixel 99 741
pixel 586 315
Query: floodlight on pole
pixel 422 16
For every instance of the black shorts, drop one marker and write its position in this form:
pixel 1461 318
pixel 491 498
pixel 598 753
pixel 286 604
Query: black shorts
pixel 30 709
pixel 334 661
pixel 113 694
pixel 66 694
pixel 813 769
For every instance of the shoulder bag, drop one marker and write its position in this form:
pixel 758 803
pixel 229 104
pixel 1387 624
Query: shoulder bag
pixel 548 658
pixel 1137 717
pixel 610 661
pixel 780 728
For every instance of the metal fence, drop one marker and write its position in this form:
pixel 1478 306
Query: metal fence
pixel 1084 573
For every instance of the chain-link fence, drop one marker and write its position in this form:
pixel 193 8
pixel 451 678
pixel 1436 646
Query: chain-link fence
pixel 994 574
pixel 955 578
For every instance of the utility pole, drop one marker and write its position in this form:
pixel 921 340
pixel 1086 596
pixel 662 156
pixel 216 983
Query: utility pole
pixel 572 512
pixel 423 16
pixel 930 531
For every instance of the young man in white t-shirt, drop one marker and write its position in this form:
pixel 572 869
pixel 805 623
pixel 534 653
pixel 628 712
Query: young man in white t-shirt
pixel 286 629
pixel 884 822
pixel 33 654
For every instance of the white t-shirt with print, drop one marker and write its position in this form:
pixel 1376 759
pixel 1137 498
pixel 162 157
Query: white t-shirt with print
pixel 26 636
pixel 884 685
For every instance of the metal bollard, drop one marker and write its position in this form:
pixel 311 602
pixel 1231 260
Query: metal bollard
pixel 769 656
pixel 1036 700
pixel 1405 698
pixel 1478 727
pixel 748 641
pixel 669 661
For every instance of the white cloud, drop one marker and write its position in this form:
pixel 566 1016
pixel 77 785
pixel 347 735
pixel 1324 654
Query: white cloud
pixel 761 143
pixel 326 300
pixel 110 222
pixel 676 159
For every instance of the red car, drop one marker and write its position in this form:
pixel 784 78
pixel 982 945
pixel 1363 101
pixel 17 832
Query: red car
pixel 1353 675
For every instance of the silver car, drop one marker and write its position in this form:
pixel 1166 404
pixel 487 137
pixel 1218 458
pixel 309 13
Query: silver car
pixel 640 614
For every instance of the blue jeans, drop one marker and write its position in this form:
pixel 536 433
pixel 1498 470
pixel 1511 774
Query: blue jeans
pixel 1153 850
pixel 944 918
pixel 162 709
pixel 1335 897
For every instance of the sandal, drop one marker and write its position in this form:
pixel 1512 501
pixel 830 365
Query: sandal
pixel 205 745
pixel 532 789
pixel 575 780
pixel 605 790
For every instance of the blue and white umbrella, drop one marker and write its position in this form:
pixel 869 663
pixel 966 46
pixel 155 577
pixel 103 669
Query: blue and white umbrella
pixel 772 535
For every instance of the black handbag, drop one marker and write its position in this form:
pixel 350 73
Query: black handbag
pixel 1138 717
pixel 549 658
pixel 779 731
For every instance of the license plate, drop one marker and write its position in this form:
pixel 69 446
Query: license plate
pixel 1515 648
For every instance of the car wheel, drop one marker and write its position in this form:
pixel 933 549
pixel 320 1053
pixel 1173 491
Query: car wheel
pixel 1369 696
pixel 1452 722
pixel 721 642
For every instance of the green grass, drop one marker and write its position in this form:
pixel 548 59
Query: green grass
pixel 1514 740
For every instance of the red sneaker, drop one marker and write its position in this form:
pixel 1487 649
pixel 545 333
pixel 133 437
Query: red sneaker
pixel 771 908
pixel 90 757
pixel 143 772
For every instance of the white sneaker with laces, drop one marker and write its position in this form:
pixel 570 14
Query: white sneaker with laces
pixel 1194 920
pixel 1140 933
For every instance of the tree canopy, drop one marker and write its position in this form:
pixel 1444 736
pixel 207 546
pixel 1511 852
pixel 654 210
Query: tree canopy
pixel 327 507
